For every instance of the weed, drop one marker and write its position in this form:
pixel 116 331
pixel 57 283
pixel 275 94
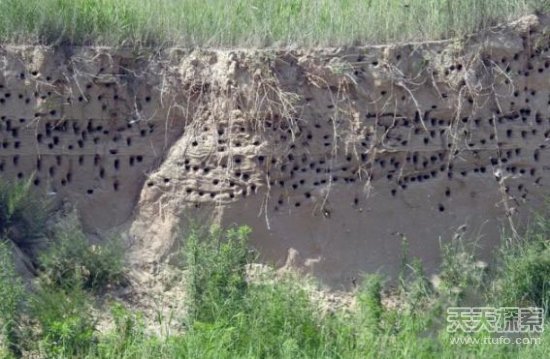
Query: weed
pixel 128 333
pixel 64 317
pixel 71 259
pixel 370 302
pixel 217 265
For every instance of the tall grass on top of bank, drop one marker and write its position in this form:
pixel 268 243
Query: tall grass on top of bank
pixel 250 22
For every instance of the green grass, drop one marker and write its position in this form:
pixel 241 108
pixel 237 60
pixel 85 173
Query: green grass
pixel 11 298
pixel 220 23
pixel 523 271
pixel 232 317
pixel 216 280
pixel 235 318
pixel 63 314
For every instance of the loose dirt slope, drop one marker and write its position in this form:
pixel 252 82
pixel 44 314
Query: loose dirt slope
pixel 336 153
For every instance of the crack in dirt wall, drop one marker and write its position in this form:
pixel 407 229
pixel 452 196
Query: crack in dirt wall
pixel 339 154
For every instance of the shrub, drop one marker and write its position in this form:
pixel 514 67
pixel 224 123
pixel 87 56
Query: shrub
pixel 70 258
pixel 66 324
pixel 274 317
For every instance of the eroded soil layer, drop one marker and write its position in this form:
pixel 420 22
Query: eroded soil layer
pixel 340 154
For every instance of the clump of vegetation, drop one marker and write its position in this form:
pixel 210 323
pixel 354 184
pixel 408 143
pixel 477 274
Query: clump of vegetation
pixel 127 338
pixel 460 273
pixel 217 270
pixel 23 215
pixel 248 319
pixel 523 271
pixel 71 259
pixel 59 304
pixel 64 317
pixel 250 22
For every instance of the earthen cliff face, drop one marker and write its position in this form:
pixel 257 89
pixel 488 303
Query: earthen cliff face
pixel 340 154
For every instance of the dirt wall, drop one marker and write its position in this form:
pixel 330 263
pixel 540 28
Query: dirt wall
pixel 339 154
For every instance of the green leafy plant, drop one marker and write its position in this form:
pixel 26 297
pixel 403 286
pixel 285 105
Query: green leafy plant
pixel 217 270
pixel 70 258
pixel 67 327
pixel 370 302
